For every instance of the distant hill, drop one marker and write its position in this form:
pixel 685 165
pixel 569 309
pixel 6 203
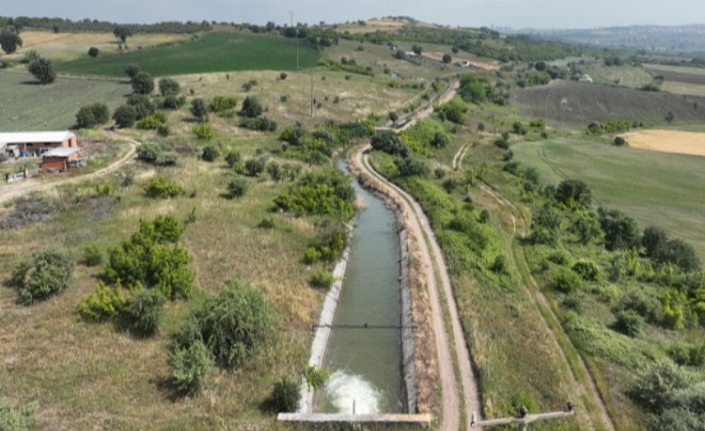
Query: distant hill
pixel 672 39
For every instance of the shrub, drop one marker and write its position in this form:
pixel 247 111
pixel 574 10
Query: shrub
pixel 92 256
pixel 409 166
pixel 232 158
pixel 153 121
pixel 621 231
pixel 142 312
pixel 125 116
pixel 203 131
pixel 93 51
pixel 283 76
pixel 103 304
pixel 499 265
pixel 162 188
pixel 251 107
pixel 254 167
pixel 573 193
pixel 143 83
pixel 657 384
pixel 565 280
pixel 190 366
pixel 321 279
pixel 233 325
pixel 266 223
pixel 629 323
pixel 390 143
pixel 45 274
pixel 173 102
pixel 586 270
pixel 262 124
pixel 620 141
pixel 153 154
pixel 222 103
pixel 92 115
pixel 285 396
pixel 168 87
pixel 198 109
pixel 325 193
pixel 237 188
pixel 210 154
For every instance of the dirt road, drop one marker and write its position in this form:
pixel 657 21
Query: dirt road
pixel 11 191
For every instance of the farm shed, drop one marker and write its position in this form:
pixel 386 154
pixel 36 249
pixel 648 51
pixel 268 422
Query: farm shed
pixel 36 143
pixel 61 159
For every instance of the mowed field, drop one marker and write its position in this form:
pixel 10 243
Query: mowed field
pixel 576 104
pixel 680 80
pixel 25 105
pixel 213 52
pixel 70 46
pixel 657 189
pixel 668 141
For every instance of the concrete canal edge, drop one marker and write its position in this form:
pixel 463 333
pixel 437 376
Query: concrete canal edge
pixel 322 335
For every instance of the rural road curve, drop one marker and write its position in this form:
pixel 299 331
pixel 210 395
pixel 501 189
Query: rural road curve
pixel 11 191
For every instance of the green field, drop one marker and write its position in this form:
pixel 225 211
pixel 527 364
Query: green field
pixel 576 104
pixel 28 106
pixel 213 52
pixel 657 189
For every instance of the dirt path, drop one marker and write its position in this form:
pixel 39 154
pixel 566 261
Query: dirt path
pixel 11 191
pixel 459 156
pixel 538 296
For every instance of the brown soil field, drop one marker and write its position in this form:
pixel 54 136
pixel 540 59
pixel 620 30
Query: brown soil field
pixel 668 141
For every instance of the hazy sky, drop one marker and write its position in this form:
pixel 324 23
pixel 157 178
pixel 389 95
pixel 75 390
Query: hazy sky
pixel 513 13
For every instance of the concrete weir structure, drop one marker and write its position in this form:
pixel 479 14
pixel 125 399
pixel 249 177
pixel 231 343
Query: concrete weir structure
pixel 322 336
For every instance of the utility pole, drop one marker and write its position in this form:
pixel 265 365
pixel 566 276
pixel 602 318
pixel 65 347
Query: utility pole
pixel 313 98
pixel 524 418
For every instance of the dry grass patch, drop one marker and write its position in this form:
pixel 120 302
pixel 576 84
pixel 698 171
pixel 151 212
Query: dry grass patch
pixel 668 141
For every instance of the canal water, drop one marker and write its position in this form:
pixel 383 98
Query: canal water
pixel 365 362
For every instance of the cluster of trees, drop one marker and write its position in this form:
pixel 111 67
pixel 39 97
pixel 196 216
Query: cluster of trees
pixel 58 25
pixel 327 193
pixel 406 164
pixel 317 146
pixel 609 127
pixel 477 89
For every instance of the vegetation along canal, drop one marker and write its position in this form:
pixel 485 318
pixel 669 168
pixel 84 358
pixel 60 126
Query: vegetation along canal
pixel 364 351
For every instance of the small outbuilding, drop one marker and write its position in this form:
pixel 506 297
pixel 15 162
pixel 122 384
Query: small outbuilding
pixel 62 159
pixel 25 144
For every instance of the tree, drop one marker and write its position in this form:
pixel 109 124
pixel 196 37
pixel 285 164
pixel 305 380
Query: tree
pixel 447 58
pixel 540 66
pixel 199 110
pixel 10 41
pixel 417 49
pixel 125 116
pixel 93 51
pixel 670 116
pixel 122 33
pixel 169 87
pixel 455 49
pixel 132 70
pixel 43 70
pixel 251 107
pixel 621 231
pixel 652 240
pixel 573 193
pixel 143 83
pixel 92 115
pixel 45 274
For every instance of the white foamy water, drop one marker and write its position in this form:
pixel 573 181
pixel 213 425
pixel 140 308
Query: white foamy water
pixel 343 389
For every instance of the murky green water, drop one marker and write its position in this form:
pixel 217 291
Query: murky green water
pixel 365 363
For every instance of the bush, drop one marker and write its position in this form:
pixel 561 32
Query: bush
pixel 390 143
pixel 210 154
pixel 321 279
pixel 103 304
pixel 325 193
pixel 173 102
pixel 586 270
pixel 45 274
pixel 565 280
pixel 162 188
pixel 143 83
pixel 198 109
pixel 251 107
pixel 142 312
pixel 285 396
pixel 16 418
pixel 409 166
pixel 203 131
pixel 153 154
pixel 254 167
pixel 222 103
pixel 620 142
pixel 233 325
pixel 629 323
pixel 283 76
pixel 657 385
pixel 190 366
pixel 92 115
pixel 125 116
pixel 93 51
pixel 92 256
pixel 262 124
pixel 232 158
pixel 237 188
pixel 169 87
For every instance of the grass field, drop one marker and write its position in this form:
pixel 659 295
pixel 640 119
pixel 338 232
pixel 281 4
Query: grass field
pixel 657 189
pixel 28 106
pixel 576 104
pixel 213 52
pixel 71 46
pixel 680 80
